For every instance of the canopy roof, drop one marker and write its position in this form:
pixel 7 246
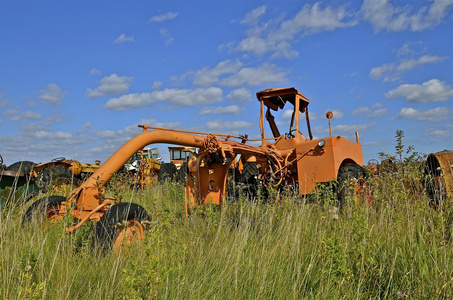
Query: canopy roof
pixel 277 98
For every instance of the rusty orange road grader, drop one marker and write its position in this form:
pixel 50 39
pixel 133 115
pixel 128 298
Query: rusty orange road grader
pixel 281 159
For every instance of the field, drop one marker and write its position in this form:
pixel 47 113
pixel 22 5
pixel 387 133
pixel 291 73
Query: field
pixel 298 248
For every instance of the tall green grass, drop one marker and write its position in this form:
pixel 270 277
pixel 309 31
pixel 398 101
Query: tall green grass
pixel 398 248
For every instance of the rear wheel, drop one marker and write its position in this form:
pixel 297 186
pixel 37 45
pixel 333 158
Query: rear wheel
pixel 47 207
pixel 249 180
pixel 352 180
pixel 166 172
pixel 56 176
pixel 121 225
pixel 22 166
pixel 436 191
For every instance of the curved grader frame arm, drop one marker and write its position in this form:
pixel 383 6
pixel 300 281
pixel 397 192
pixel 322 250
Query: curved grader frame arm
pixel 87 195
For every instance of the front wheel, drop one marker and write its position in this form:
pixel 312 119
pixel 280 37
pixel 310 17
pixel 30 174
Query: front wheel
pixel 121 225
pixel 352 180
pixel 166 172
pixel 48 207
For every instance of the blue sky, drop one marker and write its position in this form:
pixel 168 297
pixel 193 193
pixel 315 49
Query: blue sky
pixel 77 77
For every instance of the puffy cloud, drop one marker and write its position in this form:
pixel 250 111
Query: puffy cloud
pixel 265 74
pixel 408 59
pixel 123 39
pixel 441 133
pixel 46 135
pixel 207 77
pixel 165 34
pixel 349 129
pixel 163 18
pixel 178 97
pixel 28 116
pixel 95 72
pixel 254 15
pixel 52 94
pixel 412 63
pixel 156 85
pixel 433 90
pixel 384 16
pixel 277 35
pixel 439 114
pixel 360 110
pixel 375 111
pixel 378 113
pixel 110 85
pixel 378 72
pixel 241 95
pixel 4 103
pixel 232 110
pixel 228 127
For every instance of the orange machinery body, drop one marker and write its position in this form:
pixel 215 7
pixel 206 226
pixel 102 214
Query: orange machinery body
pixel 289 159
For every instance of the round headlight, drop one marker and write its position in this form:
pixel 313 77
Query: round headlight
pixel 321 143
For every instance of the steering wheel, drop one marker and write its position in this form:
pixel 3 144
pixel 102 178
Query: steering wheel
pixel 291 133
pixel 58 159
pixel 373 161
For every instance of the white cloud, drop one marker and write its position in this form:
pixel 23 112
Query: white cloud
pixel 374 112
pixel 52 94
pixel 232 110
pixel 155 123
pixel 384 16
pixel 95 72
pixel 276 36
pixel 350 129
pixel 408 59
pixel 5 103
pixel 412 63
pixel 241 95
pixel 178 97
pixel 432 90
pixel 87 125
pixel 287 114
pixel 110 85
pixel 12 111
pixel 231 127
pixel 265 74
pixel 123 39
pixel 439 114
pixel 46 135
pixel 378 113
pixel 156 85
pixel 163 18
pixel 207 77
pixel 378 72
pixel 254 15
pixel 165 34
pixel 360 110
pixel 441 133
pixel 31 115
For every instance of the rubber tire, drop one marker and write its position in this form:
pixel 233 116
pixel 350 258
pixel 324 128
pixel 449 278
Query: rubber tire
pixel 249 172
pixel 167 172
pixel 54 173
pixel 345 173
pixel 106 230
pixel 436 191
pixel 182 173
pixel 41 205
pixel 22 167
pixel 249 182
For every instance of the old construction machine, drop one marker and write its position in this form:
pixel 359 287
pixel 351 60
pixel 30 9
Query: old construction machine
pixel 281 159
